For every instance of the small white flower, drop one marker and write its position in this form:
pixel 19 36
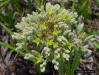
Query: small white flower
pixel 57 50
pixel 46 48
pixel 67 51
pixel 48 54
pixel 41 65
pixel 57 63
pixel 58 55
pixel 59 39
pixel 56 67
pixel 66 56
pixel 44 63
pixel 66 32
pixel 43 69
pixel 53 61
pixel 89 51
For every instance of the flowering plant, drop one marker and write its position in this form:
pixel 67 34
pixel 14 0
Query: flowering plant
pixel 51 28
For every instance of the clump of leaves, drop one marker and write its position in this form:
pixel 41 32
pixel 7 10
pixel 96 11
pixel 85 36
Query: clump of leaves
pixel 51 28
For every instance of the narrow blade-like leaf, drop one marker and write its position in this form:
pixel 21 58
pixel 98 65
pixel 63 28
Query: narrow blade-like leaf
pixel 6 28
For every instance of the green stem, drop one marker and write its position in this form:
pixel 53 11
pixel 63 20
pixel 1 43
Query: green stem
pixel 62 4
pixel 38 69
pixel 61 67
pixel 73 6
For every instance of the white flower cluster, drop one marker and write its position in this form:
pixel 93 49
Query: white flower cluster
pixel 53 29
pixel 47 51
pixel 42 66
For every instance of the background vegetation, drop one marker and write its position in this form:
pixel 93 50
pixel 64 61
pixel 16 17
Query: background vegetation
pixel 11 11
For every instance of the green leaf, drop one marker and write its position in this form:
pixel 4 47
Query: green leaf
pixel 97 1
pixel 84 4
pixel 2 17
pixel 12 48
pixel 96 32
pixel 62 3
pixel 17 6
pixel 30 6
pixel 61 66
pixel 73 6
pixel 1 0
pixel 10 17
pixel 38 3
pixel 4 3
pixel 96 43
pixel 6 28
pixel 75 62
pixel 44 2
pixel 83 7
pixel 68 68
pixel 27 50
pixel 84 10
